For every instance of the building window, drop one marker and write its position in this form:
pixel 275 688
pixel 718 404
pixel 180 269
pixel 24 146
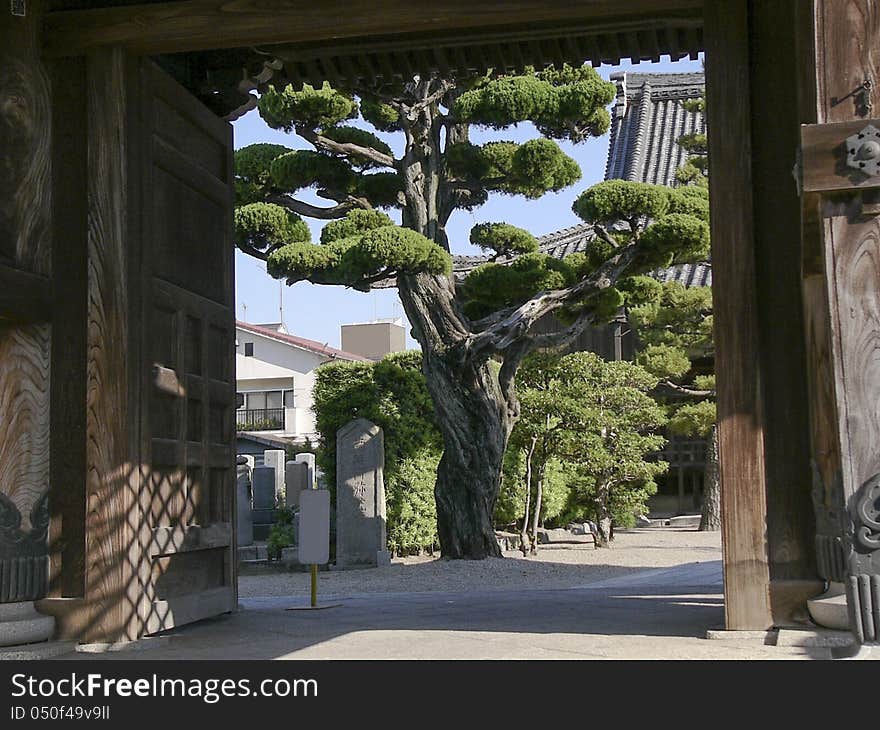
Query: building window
pixel 288 399
pixel 248 349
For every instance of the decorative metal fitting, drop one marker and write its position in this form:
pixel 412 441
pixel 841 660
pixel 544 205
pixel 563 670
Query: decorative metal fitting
pixel 863 151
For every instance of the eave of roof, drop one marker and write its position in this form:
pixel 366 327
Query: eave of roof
pixel 318 348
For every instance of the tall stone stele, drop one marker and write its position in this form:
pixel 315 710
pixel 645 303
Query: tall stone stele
pixel 360 496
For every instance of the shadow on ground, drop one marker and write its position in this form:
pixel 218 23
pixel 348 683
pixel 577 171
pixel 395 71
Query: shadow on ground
pixel 676 603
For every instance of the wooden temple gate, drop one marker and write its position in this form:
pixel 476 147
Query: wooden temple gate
pixel 116 293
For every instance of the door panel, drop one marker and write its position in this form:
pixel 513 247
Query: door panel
pixel 189 402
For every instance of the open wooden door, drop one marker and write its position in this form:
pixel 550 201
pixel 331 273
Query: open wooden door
pixel 187 343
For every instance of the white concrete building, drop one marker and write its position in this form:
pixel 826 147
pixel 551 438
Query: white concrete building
pixel 275 376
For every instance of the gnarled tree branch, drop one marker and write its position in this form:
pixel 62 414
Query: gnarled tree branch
pixel 509 331
pixel 314 211
pixel 345 148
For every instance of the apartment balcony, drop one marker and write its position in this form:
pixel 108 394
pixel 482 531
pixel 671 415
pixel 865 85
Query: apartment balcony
pixel 260 419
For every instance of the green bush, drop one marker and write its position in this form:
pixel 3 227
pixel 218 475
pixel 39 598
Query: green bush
pixel 282 534
pixel 392 394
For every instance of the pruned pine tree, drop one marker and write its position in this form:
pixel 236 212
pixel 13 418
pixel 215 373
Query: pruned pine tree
pixel 675 330
pixel 490 317
pixel 598 418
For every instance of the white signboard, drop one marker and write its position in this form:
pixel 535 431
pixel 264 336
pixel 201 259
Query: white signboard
pixel 314 527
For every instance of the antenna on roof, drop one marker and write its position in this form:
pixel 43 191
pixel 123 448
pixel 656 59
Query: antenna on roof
pixel 244 307
pixel 281 304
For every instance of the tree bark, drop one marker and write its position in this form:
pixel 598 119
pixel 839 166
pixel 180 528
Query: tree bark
pixel 524 532
pixel 604 532
pixel 474 415
pixel 539 497
pixel 710 519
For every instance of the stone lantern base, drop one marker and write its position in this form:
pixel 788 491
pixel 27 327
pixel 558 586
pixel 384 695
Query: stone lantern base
pixel 21 624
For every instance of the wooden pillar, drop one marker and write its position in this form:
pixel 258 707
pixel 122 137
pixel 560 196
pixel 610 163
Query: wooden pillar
pixel 99 591
pixel 25 306
pixel 779 51
pixel 737 355
pixel 755 107
pixel 841 269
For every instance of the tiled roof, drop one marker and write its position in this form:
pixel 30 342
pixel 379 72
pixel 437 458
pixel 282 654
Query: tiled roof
pixel 311 345
pixel 646 122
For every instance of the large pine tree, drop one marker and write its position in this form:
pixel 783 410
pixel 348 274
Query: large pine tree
pixel 474 336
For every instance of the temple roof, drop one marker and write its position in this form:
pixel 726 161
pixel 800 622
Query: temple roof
pixel 647 120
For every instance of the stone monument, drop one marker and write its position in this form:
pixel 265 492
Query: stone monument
pixel 360 496
pixel 308 459
pixel 276 458
pixel 244 503
pixel 297 479
pixel 263 478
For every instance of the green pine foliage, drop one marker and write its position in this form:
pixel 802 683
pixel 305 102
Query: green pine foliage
pixel 503 239
pixel 309 107
pixel 357 251
pixel 555 100
pixel 392 394
pixel 260 225
pixel 530 169
pixel 598 422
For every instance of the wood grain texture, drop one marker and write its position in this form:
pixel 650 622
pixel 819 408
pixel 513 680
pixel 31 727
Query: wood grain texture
pixel 848 52
pixel 187 434
pixel 207 24
pixel 25 143
pixel 737 354
pixel 24 415
pixel 854 297
pixel 111 512
pixel 776 56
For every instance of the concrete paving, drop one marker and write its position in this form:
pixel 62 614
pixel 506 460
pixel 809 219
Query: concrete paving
pixel 656 614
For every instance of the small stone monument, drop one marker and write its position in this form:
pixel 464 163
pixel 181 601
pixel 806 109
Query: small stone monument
pixel 297 479
pixel 263 479
pixel 309 459
pixel 276 458
pixel 244 503
pixel 360 496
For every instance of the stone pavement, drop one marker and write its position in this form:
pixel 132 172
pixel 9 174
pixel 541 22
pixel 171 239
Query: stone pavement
pixel 655 614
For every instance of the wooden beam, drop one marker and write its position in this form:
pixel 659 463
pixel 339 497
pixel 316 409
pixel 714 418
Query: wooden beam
pixel 775 60
pixel 67 499
pixel 738 360
pixel 174 27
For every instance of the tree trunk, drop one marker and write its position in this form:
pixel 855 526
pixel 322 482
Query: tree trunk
pixel 604 532
pixel 524 532
pixel 710 519
pixel 539 497
pixel 474 416
pixel 475 406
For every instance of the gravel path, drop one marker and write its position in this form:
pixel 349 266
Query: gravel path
pixel 633 551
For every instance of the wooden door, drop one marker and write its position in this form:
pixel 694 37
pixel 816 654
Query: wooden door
pixel 187 344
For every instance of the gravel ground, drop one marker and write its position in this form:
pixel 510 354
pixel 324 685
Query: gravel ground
pixel 633 551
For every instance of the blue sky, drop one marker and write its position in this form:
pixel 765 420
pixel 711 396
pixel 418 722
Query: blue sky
pixel 317 312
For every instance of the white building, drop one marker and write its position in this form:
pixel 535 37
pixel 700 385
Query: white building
pixel 275 376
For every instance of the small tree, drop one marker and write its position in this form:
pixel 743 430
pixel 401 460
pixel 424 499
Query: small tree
pixel 598 420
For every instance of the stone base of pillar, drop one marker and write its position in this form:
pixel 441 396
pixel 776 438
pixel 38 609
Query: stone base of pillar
pixel 21 624
pixel 829 609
